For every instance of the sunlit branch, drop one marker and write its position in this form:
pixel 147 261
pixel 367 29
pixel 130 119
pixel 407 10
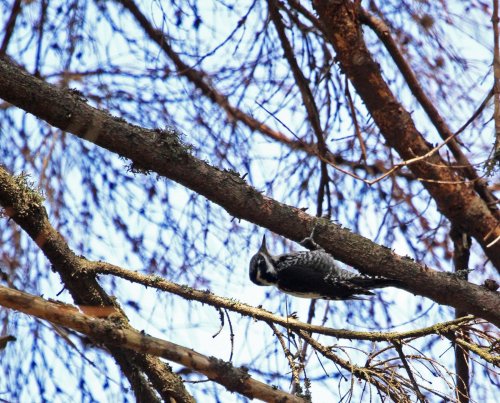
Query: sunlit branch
pixel 344 33
pixel 25 206
pixel 483 352
pixel 112 332
pixel 230 304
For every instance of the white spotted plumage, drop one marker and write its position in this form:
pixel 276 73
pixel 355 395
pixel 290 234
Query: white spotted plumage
pixel 311 274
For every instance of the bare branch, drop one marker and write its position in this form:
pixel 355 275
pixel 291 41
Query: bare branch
pixel 384 34
pixel 25 206
pixel 244 309
pixel 399 349
pixel 113 333
pixel 461 242
pixel 9 26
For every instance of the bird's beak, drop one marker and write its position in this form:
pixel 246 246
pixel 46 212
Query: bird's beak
pixel 263 247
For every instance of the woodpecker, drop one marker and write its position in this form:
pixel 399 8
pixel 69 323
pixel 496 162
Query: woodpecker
pixel 311 274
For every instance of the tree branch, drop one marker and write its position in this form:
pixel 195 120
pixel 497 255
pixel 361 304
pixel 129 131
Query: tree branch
pixel 208 298
pixel 461 254
pixel 199 80
pixel 9 26
pixel 455 198
pixel 399 349
pixel 25 206
pixel 376 377
pixel 383 32
pixel 113 333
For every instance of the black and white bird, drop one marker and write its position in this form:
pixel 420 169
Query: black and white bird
pixel 311 274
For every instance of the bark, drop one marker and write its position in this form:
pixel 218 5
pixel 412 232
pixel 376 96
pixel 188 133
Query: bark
pixel 25 207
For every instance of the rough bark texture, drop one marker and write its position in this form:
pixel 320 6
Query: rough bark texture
pixel 113 333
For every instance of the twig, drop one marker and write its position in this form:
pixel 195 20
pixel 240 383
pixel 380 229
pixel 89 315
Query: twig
pixel 9 26
pixel 367 374
pixel 355 120
pixel 221 319
pixel 290 358
pixel 399 349
pixel 231 335
pixel 307 99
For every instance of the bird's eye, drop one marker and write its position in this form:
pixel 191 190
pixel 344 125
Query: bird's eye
pixel 261 263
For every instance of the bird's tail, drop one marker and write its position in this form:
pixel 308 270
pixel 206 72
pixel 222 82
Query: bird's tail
pixel 374 282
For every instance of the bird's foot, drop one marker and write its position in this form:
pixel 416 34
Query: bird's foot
pixel 309 241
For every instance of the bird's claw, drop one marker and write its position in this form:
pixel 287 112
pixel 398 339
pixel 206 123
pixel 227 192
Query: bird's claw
pixel 309 243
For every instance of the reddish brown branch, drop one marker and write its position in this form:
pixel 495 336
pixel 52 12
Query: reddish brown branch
pixel 384 34
pixel 25 207
pixel 456 199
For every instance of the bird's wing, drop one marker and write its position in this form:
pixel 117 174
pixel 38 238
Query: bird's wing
pixel 375 282
pixel 315 280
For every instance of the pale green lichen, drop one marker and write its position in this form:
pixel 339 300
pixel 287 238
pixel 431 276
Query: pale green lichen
pixel 27 195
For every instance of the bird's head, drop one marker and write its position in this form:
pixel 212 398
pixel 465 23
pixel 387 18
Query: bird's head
pixel 262 270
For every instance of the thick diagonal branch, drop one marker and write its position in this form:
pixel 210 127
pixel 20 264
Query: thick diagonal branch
pixel 163 153
pixel 382 30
